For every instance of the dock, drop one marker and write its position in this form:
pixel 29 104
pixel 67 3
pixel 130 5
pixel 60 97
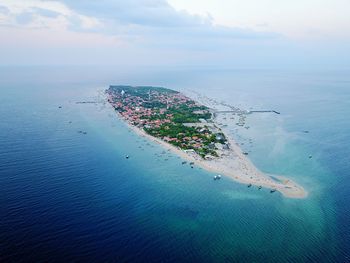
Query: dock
pixel 263 111
pixel 87 102
pixel 246 112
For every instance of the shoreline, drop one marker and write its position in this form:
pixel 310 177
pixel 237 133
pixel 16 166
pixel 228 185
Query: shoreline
pixel 234 164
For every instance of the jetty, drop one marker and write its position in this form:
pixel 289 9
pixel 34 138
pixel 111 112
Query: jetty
pixel 239 112
pixel 263 111
pixel 87 102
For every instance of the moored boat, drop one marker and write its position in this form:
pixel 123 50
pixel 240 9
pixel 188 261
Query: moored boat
pixel 217 177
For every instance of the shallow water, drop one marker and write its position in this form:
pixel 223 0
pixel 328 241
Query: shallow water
pixel 66 196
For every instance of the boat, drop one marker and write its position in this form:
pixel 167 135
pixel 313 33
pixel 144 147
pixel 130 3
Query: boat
pixel 184 162
pixel 127 156
pixel 245 153
pixel 259 187
pixel 191 163
pixel 272 191
pixel 249 185
pixel 217 177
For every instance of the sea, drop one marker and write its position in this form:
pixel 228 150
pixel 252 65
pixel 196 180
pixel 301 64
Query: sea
pixel 69 194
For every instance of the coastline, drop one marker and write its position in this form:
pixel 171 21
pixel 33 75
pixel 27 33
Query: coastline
pixel 234 165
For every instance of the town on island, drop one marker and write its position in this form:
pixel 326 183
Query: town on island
pixel 190 129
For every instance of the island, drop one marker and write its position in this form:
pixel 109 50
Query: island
pixel 190 129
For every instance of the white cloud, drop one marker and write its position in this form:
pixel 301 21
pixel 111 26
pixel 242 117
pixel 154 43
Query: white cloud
pixel 43 14
pixel 133 31
pixel 156 23
pixel 295 19
pixel 134 21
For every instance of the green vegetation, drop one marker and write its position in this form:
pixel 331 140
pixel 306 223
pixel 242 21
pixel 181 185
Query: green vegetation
pixel 154 117
pixel 184 113
pixel 140 91
pixel 187 137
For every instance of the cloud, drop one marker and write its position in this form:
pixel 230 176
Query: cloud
pixel 151 13
pixel 130 31
pixel 45 12
pixel 133 20
pixel 155 24
pixel 156 17
pixel 4 10
pixel 36 14
pixel 24 18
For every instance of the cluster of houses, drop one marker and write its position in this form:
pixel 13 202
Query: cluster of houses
pixel 134 109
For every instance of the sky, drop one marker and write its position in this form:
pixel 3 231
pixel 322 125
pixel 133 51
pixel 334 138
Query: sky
pixel 298 19
pixel 198 33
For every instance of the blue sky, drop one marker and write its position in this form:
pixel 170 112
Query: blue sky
pixel 236 33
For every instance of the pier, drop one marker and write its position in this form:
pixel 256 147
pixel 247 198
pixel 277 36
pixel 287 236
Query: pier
pixel 257 111
pixel 87 102
pixel 248 112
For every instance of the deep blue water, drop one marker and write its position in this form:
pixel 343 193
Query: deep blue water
pixel 66 196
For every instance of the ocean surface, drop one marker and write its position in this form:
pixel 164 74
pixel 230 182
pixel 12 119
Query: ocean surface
pixel 66 196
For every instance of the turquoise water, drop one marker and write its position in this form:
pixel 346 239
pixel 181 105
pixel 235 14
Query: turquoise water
pixel 66 196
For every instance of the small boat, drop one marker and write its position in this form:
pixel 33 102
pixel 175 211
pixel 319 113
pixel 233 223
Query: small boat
pixel 60 107
pixel 127 156
pixel 192 167
pixel 245 153
pixel 310 156
pixel 217 177
pixel 191 163
pixel 272 191
pixel 184 162
pixel 249 185
pixel 259 187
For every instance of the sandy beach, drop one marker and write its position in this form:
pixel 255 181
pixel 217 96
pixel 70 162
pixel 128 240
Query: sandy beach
pixel 235 166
